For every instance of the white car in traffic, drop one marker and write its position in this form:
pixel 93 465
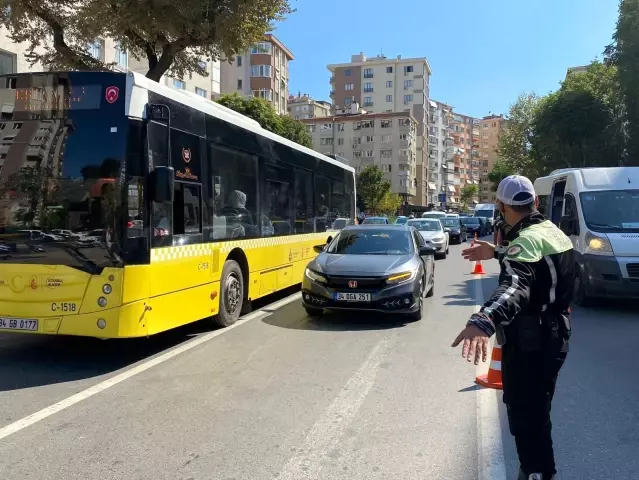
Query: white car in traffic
pixel 433 233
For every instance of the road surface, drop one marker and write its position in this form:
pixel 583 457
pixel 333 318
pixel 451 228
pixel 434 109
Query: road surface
pixel 281 396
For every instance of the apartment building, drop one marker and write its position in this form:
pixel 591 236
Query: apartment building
pixel 261 72
pixel 463 145
pixel 490 128
pixel 388 140
pixel 441 176
pixel 303 106
pixel 382 84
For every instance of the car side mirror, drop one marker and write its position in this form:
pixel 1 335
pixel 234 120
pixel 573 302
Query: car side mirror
pixel 426 250
pixel 162 183
pixel 318 248
pixel 447 230
pixel 329 240
pixel 568 225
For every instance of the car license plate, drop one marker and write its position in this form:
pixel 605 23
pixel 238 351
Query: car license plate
pixel 18 324
pixel 353 297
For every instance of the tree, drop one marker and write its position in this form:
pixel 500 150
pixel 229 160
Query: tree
pixel 390 203
pixel 624 54
pixel 515 143
pixel 170 36
pixel 264 113
pixel 501 170
pixel 373 187
pixel 467 193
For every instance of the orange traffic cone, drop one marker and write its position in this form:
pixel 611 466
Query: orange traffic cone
pixel 479 268
pixel 493 378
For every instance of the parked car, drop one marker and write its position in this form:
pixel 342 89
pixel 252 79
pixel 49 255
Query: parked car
pixel 457 231
pixel 338 224
pixel 472 225
pixel 382 268
pixel 401 220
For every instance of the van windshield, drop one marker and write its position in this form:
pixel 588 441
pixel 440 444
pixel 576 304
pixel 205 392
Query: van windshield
pixel 485 213
pixel 611 210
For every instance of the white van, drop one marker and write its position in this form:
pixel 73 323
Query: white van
pixel 486 210
pixel 599 209
pixel 434 214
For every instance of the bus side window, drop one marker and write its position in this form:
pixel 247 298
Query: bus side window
pixel 187 209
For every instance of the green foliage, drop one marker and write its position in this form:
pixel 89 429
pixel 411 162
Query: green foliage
pixel 467 193
pixel 170 36
pixel 501 169
pixel 264 113
pixel 390 204
pixel 373 187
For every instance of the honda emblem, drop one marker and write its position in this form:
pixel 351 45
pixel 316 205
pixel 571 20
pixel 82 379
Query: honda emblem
pixel 352 284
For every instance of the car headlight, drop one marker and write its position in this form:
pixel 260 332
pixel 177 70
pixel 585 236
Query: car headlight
pixel 401 277
pixel 598 245
pixel 314 276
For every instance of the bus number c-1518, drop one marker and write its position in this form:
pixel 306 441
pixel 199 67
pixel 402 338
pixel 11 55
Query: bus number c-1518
pixel 63 307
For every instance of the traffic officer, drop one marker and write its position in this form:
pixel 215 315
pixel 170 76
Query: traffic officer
pixel 529 313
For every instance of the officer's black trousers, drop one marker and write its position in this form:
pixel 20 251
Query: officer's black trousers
pixel 529 380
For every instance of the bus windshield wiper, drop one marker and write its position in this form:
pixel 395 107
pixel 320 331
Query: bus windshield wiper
pixel 601 225
pixel 82 258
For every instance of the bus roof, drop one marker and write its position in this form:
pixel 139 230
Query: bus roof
pixel 137 109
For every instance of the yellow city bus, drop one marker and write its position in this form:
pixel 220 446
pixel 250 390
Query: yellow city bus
pixel 128 208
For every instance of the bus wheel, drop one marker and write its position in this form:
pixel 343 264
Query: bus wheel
pixel 231 294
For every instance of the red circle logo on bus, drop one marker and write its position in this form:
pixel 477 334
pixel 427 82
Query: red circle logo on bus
pixel 111 94
pixel 186 155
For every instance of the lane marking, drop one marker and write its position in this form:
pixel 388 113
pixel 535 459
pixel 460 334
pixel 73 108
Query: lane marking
pixel 325 434
pixel 490 448
pixel 102 386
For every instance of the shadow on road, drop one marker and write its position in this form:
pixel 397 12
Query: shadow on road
pixel 37 360
pixel 463 294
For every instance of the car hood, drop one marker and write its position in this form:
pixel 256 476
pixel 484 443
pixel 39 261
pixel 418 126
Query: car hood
pixel 454 230
pixel 430 235
pixel 473 226
pixel 361 265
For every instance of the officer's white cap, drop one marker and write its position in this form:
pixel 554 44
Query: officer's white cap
pixel 516 190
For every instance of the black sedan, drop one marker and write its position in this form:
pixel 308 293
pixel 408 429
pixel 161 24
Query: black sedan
pixel 457 231
pixel 473 226
pixel 382 268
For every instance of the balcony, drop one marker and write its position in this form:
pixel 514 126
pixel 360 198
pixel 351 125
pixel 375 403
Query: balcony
pixel 331 80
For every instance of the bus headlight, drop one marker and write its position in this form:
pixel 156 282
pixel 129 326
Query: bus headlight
pixel 101 323
pixel 598 245
pixel 102 302
pixel 106 289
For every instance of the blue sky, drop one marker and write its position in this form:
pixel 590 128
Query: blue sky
pixel 483 53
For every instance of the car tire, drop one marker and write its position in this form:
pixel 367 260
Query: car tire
pixel 447 248
pixel 314 312
pixel 416 316
pixel 431 292
pixel 580 296
pixel 231 295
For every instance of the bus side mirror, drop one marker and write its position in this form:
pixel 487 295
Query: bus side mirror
pixel 162 183
pixel 568 226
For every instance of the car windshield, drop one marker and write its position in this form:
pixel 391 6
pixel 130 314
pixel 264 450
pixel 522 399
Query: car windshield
pixel 485 213
pixel 401 220
pixel 374 220
pixel 339 223
pixel 450 222
pixel 469 220
pixel 434 215
pixel 426 225
pixel 611 210
pixel 371 242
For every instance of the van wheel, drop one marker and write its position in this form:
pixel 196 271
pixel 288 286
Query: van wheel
pixel 580 296
pixel 231 294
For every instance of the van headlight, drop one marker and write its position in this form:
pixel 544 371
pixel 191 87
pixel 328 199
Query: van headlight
pixel 598 245
pixel 314 276
pixel 401 277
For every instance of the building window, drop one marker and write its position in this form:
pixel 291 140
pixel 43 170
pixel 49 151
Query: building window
pixel 368 87
pixel 389 98
pixel 340 127
pixel 121 57
pixel 340 141
pixel 408 84
pixel 326 141
pixel 263 93
pixel 262 47
pixel 368 101
pixel 403 136
pixel 389 84
pixel 369 138
pixel 96 49
pixel 179 84
pixel 239 84
pixel 408 98
pixel 386 154
pixel 348 72
pixel 386 168
pixel 8 63
pixel 261 71
pixel 389 69
pixel 201 92
pixel 367 153
pixel 239 61
pixel 357 140
pixel 349 87
pixel 387 138
pixel 348 101
pixel 368 73
pixel 311 128
pixel 408 69
pixel 386 123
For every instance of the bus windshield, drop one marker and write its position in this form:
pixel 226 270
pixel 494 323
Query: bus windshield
pixel 62 158
pixel 611 210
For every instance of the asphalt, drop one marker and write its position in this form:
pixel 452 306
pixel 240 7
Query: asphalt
pixel 283 396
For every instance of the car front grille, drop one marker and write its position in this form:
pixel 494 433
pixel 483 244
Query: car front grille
pixel 633 270
pixel 363 283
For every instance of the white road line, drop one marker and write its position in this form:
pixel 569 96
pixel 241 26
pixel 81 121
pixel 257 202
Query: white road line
pixel 325 434
pixel 100 387
pixel 490 449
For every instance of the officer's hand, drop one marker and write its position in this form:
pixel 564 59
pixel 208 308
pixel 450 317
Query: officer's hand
pixel 479 250
pixel 475 344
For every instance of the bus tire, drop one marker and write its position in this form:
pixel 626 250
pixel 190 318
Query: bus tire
pixel 231 294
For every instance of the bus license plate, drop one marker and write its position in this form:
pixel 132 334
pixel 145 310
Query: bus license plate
pixel 353 297
pixel 18 324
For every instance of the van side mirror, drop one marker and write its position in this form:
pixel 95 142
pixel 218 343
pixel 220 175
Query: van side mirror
pixel 162 184
pixel 568 225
